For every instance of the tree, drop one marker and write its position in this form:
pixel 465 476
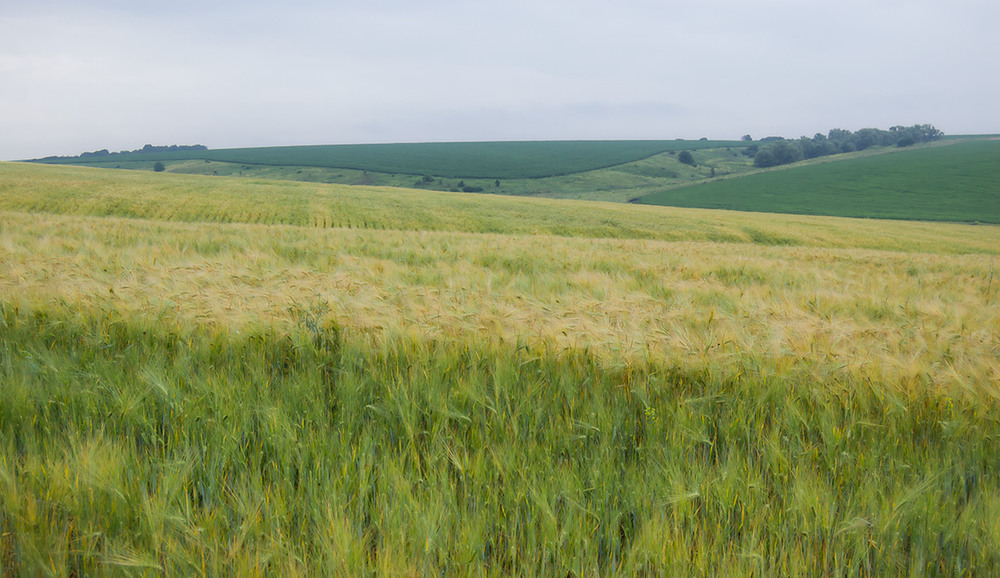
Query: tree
pixel 909 135
pixel 687 158
pixel 866 137
pixel 810 148
pixel 839 134
pixel 158 167
pixel 747 138
pixel 773 151
pixel 780 152
pixel 764 158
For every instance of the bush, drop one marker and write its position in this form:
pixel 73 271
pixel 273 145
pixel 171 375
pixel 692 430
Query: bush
pixel 687 158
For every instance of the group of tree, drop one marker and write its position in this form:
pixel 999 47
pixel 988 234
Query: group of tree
pixel 774 151
pixel 169 148
pixel 146 149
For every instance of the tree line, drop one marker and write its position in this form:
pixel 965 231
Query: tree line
pixel 774 151
pixel 145 149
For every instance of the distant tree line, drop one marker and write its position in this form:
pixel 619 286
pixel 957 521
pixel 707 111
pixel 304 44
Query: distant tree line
pixel 169 148
pixel 774 151
pixel 145 149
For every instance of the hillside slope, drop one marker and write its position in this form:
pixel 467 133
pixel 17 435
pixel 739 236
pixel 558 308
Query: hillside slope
pixel 482 160
pixel 952 182
pixel 84 191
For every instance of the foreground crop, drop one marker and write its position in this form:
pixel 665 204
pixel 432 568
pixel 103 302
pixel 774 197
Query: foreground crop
pixel 131 446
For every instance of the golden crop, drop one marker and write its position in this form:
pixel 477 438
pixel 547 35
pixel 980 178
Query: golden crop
pixel 205 375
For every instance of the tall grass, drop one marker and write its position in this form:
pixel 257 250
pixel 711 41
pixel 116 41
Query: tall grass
pixel 758 396
pixel 135 446
pixel 812 310
pixel 82 191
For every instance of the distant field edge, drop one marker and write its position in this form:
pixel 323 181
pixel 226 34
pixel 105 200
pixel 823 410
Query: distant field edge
pixel 487 159
pixel 958 182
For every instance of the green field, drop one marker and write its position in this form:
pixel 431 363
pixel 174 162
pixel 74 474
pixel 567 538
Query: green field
pixel 951 180
pixel 958 182
pixel 208 375
pixel 590 170
pixel 472 160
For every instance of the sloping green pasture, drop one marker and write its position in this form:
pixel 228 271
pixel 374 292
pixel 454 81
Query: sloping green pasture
pixel 957 182
pixel 485 160
pixel 618 183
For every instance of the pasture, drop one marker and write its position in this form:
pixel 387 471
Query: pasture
pixel 213 375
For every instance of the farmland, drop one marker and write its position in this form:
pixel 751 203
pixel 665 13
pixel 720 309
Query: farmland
pixel 475 160
pixel 222 375
pixel 957 182
pixel 949 180
pixel 590 170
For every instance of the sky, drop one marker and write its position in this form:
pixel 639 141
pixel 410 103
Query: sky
pixel 117 74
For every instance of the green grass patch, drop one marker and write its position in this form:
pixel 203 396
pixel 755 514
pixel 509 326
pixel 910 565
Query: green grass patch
pixel 957 182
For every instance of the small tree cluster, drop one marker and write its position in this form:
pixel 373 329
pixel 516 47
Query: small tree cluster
pixel 168 148
pixel 686 158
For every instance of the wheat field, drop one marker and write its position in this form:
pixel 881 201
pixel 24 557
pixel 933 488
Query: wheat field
pixel 366 382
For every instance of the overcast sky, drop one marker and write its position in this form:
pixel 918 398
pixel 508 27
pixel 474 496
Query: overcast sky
pixel 117 74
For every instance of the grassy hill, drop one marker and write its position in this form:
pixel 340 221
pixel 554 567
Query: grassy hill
pixel 927 182
pixel 236 376
pixel 594 170
pixel 957 182
pixel 472 160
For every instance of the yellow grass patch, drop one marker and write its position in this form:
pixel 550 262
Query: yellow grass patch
pixel 916 319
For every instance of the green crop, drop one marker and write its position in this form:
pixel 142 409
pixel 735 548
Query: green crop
pixel 486 160
pixel 957 182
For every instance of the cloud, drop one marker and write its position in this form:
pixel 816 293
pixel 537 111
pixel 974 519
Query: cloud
pixel 116 74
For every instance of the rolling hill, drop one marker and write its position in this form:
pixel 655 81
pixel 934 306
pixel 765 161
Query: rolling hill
pixel 957 181
pixel 470 160
pixel 592 170
pixel 225 376
pixel 951 180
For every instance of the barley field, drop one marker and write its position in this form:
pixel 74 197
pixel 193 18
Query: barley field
pixel 210 376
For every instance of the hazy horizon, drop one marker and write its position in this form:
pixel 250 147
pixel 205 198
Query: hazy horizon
pixel 117 75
